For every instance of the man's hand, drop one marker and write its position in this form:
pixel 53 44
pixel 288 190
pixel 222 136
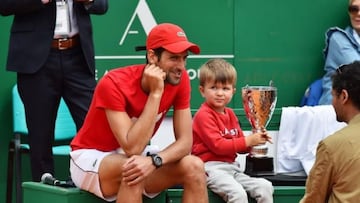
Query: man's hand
pixel 136 169
pixel 153 79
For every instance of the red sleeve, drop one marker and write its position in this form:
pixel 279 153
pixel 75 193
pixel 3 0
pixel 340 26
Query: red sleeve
pixel 108 95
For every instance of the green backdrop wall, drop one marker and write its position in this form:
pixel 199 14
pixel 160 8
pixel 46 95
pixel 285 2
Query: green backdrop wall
pixel 266 40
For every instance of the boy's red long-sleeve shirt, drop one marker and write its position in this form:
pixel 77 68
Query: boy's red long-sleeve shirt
pixel 217 136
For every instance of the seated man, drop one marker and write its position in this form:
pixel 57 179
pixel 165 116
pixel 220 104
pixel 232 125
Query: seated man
pixel 128 106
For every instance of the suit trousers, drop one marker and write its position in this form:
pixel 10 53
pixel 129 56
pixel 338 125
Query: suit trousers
pixel 64 74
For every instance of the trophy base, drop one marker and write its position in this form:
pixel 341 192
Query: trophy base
pixel 259 166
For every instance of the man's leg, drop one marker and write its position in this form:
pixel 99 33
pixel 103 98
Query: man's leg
pixel 79 84
pixel 188 172
pixel 195 188
pixel 110 174
pixel 101 174
pixel 134 193
pixel 41 100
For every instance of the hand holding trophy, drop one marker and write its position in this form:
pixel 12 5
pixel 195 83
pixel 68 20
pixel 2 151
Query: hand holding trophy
pixel 259 104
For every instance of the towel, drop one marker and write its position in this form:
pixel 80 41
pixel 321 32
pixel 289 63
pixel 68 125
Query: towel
pixel 300 131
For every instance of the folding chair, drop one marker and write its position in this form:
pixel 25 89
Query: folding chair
pixel 65 130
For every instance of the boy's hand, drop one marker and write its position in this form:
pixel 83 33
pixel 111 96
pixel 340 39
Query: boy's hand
pixel 266 135
pixel 258 138
pixel 268 138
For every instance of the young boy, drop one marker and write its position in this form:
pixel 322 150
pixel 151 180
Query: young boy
pixel 218 138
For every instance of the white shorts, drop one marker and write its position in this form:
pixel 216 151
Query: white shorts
pixel 84 167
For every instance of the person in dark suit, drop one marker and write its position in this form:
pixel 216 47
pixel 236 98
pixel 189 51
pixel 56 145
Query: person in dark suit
pixel 51 49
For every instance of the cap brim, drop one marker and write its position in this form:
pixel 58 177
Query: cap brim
pixel 140 48
pixel 182 46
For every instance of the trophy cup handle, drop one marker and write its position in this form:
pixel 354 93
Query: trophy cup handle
pixel 271 83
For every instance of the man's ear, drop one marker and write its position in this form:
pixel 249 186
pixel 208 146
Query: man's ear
pixel 344 96
pixel 152 58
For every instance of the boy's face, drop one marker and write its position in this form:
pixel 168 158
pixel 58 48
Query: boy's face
pixel 217 95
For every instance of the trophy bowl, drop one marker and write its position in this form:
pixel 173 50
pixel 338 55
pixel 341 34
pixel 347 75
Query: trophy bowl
pixel 259 104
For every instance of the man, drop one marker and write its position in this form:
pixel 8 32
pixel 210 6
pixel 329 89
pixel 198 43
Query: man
pixel 51 49
pixel 334 177
pixel 128 106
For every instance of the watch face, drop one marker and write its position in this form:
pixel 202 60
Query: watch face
pixel 157 160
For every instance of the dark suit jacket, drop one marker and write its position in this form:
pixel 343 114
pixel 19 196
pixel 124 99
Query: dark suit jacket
pixel 33 29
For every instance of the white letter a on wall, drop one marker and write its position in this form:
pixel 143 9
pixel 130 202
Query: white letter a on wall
pixel 146 18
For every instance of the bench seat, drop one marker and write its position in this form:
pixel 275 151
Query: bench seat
pixel 41 193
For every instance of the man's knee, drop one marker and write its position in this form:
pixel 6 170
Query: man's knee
pixel 194 164
pixel 194 168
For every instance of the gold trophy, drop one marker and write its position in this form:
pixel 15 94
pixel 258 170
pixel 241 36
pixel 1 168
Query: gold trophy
pixel 259 104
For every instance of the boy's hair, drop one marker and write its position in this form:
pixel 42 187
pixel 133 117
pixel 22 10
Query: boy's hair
pixel 347 77
pixel 217 70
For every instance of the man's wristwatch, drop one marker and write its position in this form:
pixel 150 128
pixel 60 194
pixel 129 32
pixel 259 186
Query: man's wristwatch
pixel 156 160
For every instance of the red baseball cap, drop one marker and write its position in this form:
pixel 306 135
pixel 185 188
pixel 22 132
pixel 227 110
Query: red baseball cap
pixel 170 37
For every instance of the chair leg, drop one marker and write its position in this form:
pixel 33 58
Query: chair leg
pixel 18 179
pixel 10 172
